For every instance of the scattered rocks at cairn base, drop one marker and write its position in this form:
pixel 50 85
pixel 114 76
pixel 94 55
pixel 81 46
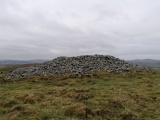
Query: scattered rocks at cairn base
pixel 79 65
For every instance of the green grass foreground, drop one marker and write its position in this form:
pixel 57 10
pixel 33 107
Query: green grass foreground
pixel 103 96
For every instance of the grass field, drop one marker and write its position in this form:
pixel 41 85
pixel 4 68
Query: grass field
pixel 103 96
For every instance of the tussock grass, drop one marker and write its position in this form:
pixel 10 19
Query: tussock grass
pixel 100 96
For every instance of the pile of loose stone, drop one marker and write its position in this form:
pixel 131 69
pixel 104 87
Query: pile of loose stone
pixel 79 65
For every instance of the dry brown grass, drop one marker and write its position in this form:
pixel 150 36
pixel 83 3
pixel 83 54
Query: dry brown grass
pixel 30 98
pixel 134 96
pixel 79 94
pixel 77 109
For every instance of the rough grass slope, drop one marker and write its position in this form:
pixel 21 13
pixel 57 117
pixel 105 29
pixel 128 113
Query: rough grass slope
pixel 134 96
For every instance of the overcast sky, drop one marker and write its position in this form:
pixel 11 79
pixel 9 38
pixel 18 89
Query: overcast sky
pixel 45 29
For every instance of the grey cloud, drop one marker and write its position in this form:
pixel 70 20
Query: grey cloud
pixel 47 29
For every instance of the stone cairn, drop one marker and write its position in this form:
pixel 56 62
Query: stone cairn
pixel 79 65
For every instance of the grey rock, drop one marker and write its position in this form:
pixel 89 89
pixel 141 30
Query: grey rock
pixel 80 65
